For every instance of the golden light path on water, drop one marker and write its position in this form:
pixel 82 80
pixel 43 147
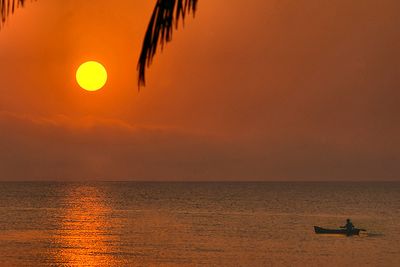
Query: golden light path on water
pixel 84 238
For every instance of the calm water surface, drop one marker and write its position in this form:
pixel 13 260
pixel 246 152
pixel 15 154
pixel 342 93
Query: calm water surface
pixel 197 224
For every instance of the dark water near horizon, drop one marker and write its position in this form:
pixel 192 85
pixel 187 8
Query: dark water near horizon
pixel 197 224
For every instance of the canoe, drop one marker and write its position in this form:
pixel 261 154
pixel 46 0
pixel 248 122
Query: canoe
pixel 320 230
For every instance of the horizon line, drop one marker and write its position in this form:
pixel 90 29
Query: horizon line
pixel 197 181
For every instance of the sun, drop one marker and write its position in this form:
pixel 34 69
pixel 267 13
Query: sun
pixel 91 76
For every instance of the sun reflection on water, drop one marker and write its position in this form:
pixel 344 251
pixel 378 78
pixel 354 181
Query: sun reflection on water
pixel 85 236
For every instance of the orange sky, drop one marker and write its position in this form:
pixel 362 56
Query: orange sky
pixel 270 90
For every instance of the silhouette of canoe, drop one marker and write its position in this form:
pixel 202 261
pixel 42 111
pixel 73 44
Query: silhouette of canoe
pixel 320 230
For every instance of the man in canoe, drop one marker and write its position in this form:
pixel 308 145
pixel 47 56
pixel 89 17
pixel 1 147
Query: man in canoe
pixel 349 226
pixel 348 229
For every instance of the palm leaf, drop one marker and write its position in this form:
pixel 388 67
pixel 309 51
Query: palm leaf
pixel 165 17
pixel 7 7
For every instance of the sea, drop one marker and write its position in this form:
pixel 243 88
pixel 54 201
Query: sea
pixel 197 224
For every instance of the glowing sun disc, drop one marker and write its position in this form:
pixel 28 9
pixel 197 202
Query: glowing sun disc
pixel 91 76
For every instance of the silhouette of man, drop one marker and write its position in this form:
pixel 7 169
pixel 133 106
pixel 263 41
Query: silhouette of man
pixel 349 225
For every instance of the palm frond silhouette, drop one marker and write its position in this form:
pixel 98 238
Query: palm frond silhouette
pixel 165 17
pixel 7 7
